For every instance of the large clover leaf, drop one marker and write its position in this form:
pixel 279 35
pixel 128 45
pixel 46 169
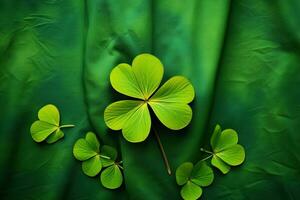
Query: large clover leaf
pixel 193 178
pixel 48 126
pixel 226 151
pixel 140 81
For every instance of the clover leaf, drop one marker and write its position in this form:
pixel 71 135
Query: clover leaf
pixel 94 160
pixel 226 151
pixel 110 153
pixel 48 126
pixel 193 178
pixel 112 177
pixel 140 81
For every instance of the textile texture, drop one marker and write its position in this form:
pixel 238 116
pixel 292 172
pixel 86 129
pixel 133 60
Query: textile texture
pixel 242 57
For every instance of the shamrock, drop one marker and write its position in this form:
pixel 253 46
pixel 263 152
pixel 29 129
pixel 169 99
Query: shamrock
pixel 47 127
pixel 226 151
pixel 193 178
pixel 140 81
pixel 88 150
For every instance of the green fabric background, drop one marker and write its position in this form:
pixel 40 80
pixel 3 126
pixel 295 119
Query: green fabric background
pixel 243 58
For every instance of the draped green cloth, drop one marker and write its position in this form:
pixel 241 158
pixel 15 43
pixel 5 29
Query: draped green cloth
pixel 243 58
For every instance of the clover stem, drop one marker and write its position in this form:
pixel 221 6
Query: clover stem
pixel 206 151
pixel 118 164
pixel 206 157
pixel 67 126
pixel 106 157
pixel 165 158
pixel 120 167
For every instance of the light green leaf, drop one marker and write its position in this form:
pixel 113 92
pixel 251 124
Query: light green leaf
pixel 140 80
pixel 137 127
pixel 218 163
pixel 175 116
pixel 183 173
pixel 202 174
pixel 148 71
pixel 191 191
pixel 41 130
pixel 92 166
pixel 176 90
pixel 117 113
pixel 123 80
pixel 50 114
pixel 226 139
pixel 169 103
pixel 58 134
pixel 111 177
pixel 233 156
pixel 215 136
pixel 82 150
pixel 109 152
pixel 91 138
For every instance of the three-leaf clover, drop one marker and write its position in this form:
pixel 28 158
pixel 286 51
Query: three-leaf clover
pixel 192 178
pixel 95 159
pixel 48 126
pixel 226 150
pixel 140 81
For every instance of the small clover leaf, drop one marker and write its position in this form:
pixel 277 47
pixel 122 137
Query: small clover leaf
pixel 92 166
pixel 94 160
pixel 226 151
pixel 140 81
pixel 112 177
pixel 184 172
pixel 48 126
pixel 193 178
pixel 109 152
pixel 191 191
pixel 58 134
